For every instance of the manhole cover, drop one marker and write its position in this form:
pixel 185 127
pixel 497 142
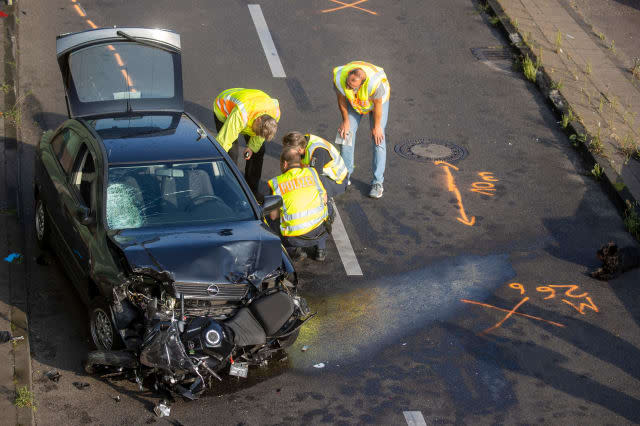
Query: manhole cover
pixel 427 150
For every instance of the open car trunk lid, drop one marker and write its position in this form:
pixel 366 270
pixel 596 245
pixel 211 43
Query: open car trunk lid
pixel 113 71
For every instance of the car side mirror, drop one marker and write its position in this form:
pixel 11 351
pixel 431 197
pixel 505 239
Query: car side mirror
pixel 83 214
pixel 271 202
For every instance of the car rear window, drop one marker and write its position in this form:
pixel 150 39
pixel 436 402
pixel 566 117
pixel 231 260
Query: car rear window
pixel 122 71
pixel 174 194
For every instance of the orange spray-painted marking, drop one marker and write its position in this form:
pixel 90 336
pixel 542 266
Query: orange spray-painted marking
pixel 580 308
pixel 349 5
pixel 488 176
pixel 517 286
pixel 486 305
pixel 451 184
pixel 91 24
pixel 545 289
pixel 506 317
pixel 79 10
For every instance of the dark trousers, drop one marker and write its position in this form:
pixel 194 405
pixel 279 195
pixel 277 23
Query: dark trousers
pixel 316 237
pixel 333 188
pixel 253 166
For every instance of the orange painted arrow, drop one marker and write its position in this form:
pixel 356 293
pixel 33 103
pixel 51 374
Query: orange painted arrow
pixel 453 188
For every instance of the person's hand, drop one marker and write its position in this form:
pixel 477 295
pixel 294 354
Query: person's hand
pixel 324 197
pixel 247 153
pixel 378 134
pixel 344 129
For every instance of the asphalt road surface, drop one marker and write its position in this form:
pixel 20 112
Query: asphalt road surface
pixel 473 306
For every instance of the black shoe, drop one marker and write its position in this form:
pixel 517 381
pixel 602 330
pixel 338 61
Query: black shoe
pixel 296 254
pixel 321 255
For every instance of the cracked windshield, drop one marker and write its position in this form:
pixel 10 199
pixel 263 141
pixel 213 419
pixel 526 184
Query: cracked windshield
pixel 170 194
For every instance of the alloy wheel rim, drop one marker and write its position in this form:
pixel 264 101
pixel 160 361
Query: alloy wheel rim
pixel 40 221
pixel 101 330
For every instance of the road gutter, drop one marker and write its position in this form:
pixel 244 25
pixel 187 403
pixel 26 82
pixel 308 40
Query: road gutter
pixel 611 180
pixel 14 273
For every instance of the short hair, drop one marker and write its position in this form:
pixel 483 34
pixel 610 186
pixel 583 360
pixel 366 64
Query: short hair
pixel 291 156
pixel 295 140
pixel 359 72
pixel 268 127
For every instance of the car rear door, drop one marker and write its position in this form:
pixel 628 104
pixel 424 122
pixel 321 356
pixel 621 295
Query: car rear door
pixel 119 71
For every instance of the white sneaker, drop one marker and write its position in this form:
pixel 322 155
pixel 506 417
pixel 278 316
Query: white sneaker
pixel 376 190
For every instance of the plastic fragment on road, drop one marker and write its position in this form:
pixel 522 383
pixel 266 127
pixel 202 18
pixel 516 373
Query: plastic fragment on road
pixel 81 385
pixel 304 348
pixel 15 339
pixel 162 409
pixel 12 257
pixel 319 365
pixel 53 375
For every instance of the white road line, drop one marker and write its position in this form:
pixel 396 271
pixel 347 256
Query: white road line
pixel 266 40
pixel 340 237
pixel 414 418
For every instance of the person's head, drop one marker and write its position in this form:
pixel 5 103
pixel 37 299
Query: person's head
pixel 289 158
pixel 295 140
pixel 355 78
pixel 265 126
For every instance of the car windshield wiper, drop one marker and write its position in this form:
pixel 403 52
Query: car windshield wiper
pixel 145 42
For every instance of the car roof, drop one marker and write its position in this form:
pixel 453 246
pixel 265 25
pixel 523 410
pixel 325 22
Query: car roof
pixel 153 138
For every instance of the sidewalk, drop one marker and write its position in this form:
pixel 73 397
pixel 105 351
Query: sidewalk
pixel 15 360
pixel 589 81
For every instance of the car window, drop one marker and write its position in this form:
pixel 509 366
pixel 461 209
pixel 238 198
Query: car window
pixel 175 193
pixel 70 147
pixel 122 71
pixel 84 177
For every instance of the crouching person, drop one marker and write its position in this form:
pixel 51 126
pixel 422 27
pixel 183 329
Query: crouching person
pixel 322 156
pixel 304 212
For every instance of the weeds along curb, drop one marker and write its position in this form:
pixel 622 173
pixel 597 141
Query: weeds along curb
pixel 18 277
pixel 611 180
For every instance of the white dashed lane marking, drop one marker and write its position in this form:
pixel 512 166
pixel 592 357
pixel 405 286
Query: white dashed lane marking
pixel 341 239
pixel 266 40
pixel 414 418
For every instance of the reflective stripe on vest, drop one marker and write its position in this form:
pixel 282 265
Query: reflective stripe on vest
pixel 361 101
pixel 251 103
pixel 335 169
pixel 303 186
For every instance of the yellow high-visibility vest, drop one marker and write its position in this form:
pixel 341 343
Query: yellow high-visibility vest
pixel 251 103
pixel 335 169
pixel 361 101
pixel 303 208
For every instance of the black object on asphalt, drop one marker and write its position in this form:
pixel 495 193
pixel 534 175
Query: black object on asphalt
pixel 5 336
pixel 53 375
pixel 81 385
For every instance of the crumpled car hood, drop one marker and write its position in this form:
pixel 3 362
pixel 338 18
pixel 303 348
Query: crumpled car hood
pixel 225 254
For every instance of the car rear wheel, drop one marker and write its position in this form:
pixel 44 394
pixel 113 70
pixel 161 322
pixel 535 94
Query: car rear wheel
pixel 41 224
pixel 104 335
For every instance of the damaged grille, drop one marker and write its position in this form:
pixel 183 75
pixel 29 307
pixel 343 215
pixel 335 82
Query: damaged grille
pixel 208 308
pixel 210 291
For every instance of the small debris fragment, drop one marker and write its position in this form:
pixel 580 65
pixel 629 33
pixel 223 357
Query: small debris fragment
pixel 162 409
pixel 5 336
pixel 12 257
pixel 404 344
pixel 81 385
pixel 570 36
pixel 304 348
pixel 53 375
pixel 15 339
pixel 116 398
pixel 319 365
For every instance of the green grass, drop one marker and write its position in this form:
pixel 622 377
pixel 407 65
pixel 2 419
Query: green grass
pixel 24 398
pixel 6 88
pixel 635 69
pixel 597 171
pixel 632 220
pixel 565 121
pixel 629 148
pixel 529 69
pixel 595 145
pixel 587 68
pixel 557 85
pixel 577 139
pixel 612 46
pixel 494 20
pixel 558 42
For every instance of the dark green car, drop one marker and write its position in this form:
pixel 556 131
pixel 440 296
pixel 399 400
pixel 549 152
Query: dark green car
pixel 153 222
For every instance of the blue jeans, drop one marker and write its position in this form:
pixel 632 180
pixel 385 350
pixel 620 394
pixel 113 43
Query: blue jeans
pixel 379 151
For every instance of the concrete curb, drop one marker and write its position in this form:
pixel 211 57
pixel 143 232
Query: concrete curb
pixel 15 234
pixel 611 180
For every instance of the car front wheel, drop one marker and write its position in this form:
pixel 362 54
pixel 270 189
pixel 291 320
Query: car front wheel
pixel 41 224
pixel 104 335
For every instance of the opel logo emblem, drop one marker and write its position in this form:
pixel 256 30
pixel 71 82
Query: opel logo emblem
pixel 213 290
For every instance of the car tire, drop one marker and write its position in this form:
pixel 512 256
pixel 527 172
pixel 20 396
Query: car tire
pixel 104 335
pixel 42 226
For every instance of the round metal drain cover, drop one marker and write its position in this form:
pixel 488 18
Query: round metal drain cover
pixel 427 150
